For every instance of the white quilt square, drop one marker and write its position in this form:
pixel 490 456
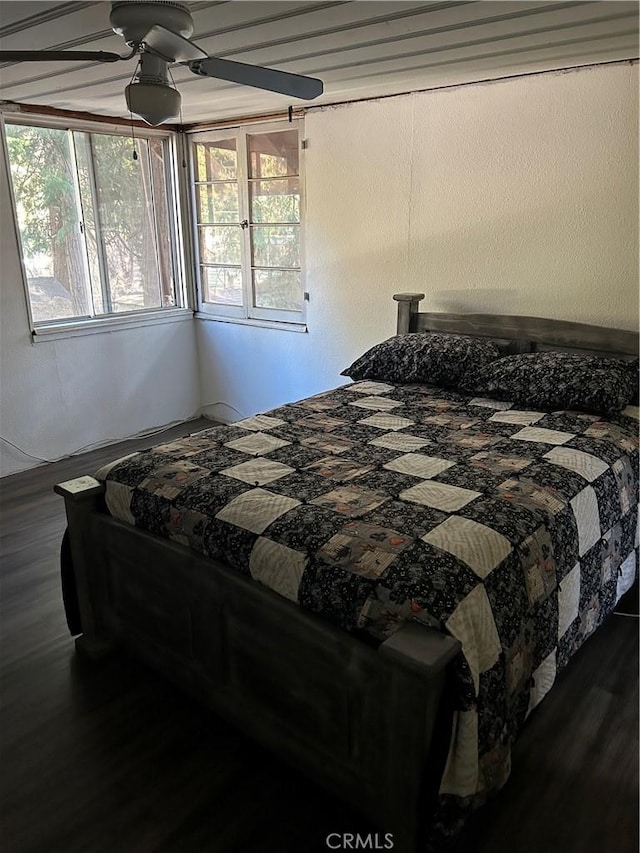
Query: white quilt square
pixel 118 498
pixel 367 387
pixel 256 510
pixel 480 547
pixel 568 600
pixel 584 464
pixel 257 472
pixel 487 403
pixel 379 404
pixel 419 465
pixel 632 412
pixel 472 623
pixel 543 679
pixel 515 416
pixel 439 495
pixel 257 443
pixel 403 442
pixel 626 575
pixel 259 422
pixel 587 515
pixel 544 436
pixel 385 421
pixel 277 566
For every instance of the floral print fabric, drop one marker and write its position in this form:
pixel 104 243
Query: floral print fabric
pixel 423 357
pixel 553 380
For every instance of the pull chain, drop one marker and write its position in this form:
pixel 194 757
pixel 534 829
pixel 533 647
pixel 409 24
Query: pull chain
pixel 133 137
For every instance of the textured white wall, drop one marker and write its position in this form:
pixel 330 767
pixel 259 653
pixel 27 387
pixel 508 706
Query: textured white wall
pixel 515 197
pixel 60 396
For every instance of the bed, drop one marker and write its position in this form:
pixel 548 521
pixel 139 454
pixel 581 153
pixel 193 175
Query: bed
pixel 380 582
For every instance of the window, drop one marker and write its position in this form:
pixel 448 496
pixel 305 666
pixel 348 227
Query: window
pixel 96 224
pixel 247 203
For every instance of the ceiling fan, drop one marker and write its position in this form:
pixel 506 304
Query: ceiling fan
pixel 158 33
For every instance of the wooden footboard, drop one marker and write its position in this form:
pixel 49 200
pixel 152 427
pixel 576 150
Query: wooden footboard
pixel 359 720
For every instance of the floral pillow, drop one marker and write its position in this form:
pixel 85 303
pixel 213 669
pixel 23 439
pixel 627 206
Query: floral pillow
pixel 429 357
pixel 635 378
pixel 554 380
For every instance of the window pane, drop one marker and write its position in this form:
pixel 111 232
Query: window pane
pixel 277 289
pixel 220 244
pixel 273 155
pixel 253 270
pixel 43 176
pixel 157 149
pixel 216 161
pixel 218 202
pixel 126 223
pixel 83 163
pixel 275 200
pixel 222 285
pixel 276 245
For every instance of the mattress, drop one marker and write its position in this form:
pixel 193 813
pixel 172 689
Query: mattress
pixel 514 531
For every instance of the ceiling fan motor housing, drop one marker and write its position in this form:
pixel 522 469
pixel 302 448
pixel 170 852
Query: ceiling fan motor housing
pixel 133 20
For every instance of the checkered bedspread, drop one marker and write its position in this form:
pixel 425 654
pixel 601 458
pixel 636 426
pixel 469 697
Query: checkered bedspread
pixel 515 531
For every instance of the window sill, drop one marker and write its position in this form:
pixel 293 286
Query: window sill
pixel 71 329
pixel 246 321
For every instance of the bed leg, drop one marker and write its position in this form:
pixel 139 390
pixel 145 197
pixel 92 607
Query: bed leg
pixel 420 656
pixel 82 497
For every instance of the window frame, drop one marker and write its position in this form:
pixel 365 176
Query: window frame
pixel 46 330
pixel 247 313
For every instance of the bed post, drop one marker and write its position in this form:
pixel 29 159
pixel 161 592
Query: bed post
pixel 83 496
pixel 407 309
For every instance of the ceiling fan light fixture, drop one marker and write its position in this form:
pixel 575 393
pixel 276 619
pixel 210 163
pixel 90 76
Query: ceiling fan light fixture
pixel 155 103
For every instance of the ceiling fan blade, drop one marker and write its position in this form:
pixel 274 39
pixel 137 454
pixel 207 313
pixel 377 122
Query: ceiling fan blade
pixel 259 77
pixel 172 46
pixel 58 56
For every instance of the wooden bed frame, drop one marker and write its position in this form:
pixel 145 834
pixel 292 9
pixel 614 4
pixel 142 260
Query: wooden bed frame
pixel 371 724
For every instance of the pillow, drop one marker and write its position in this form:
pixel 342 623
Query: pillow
pixel 556 380
pixel 422 357
pixel 635 379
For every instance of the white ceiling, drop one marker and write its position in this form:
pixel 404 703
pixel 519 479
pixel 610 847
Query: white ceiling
pixel 359 49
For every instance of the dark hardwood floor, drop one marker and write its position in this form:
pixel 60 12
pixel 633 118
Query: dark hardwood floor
pixel 107 758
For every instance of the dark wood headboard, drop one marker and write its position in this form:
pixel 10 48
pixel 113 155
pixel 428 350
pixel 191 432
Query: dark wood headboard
pixel 519 334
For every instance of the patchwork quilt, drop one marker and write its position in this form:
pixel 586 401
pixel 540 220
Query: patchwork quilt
pixel 514 531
